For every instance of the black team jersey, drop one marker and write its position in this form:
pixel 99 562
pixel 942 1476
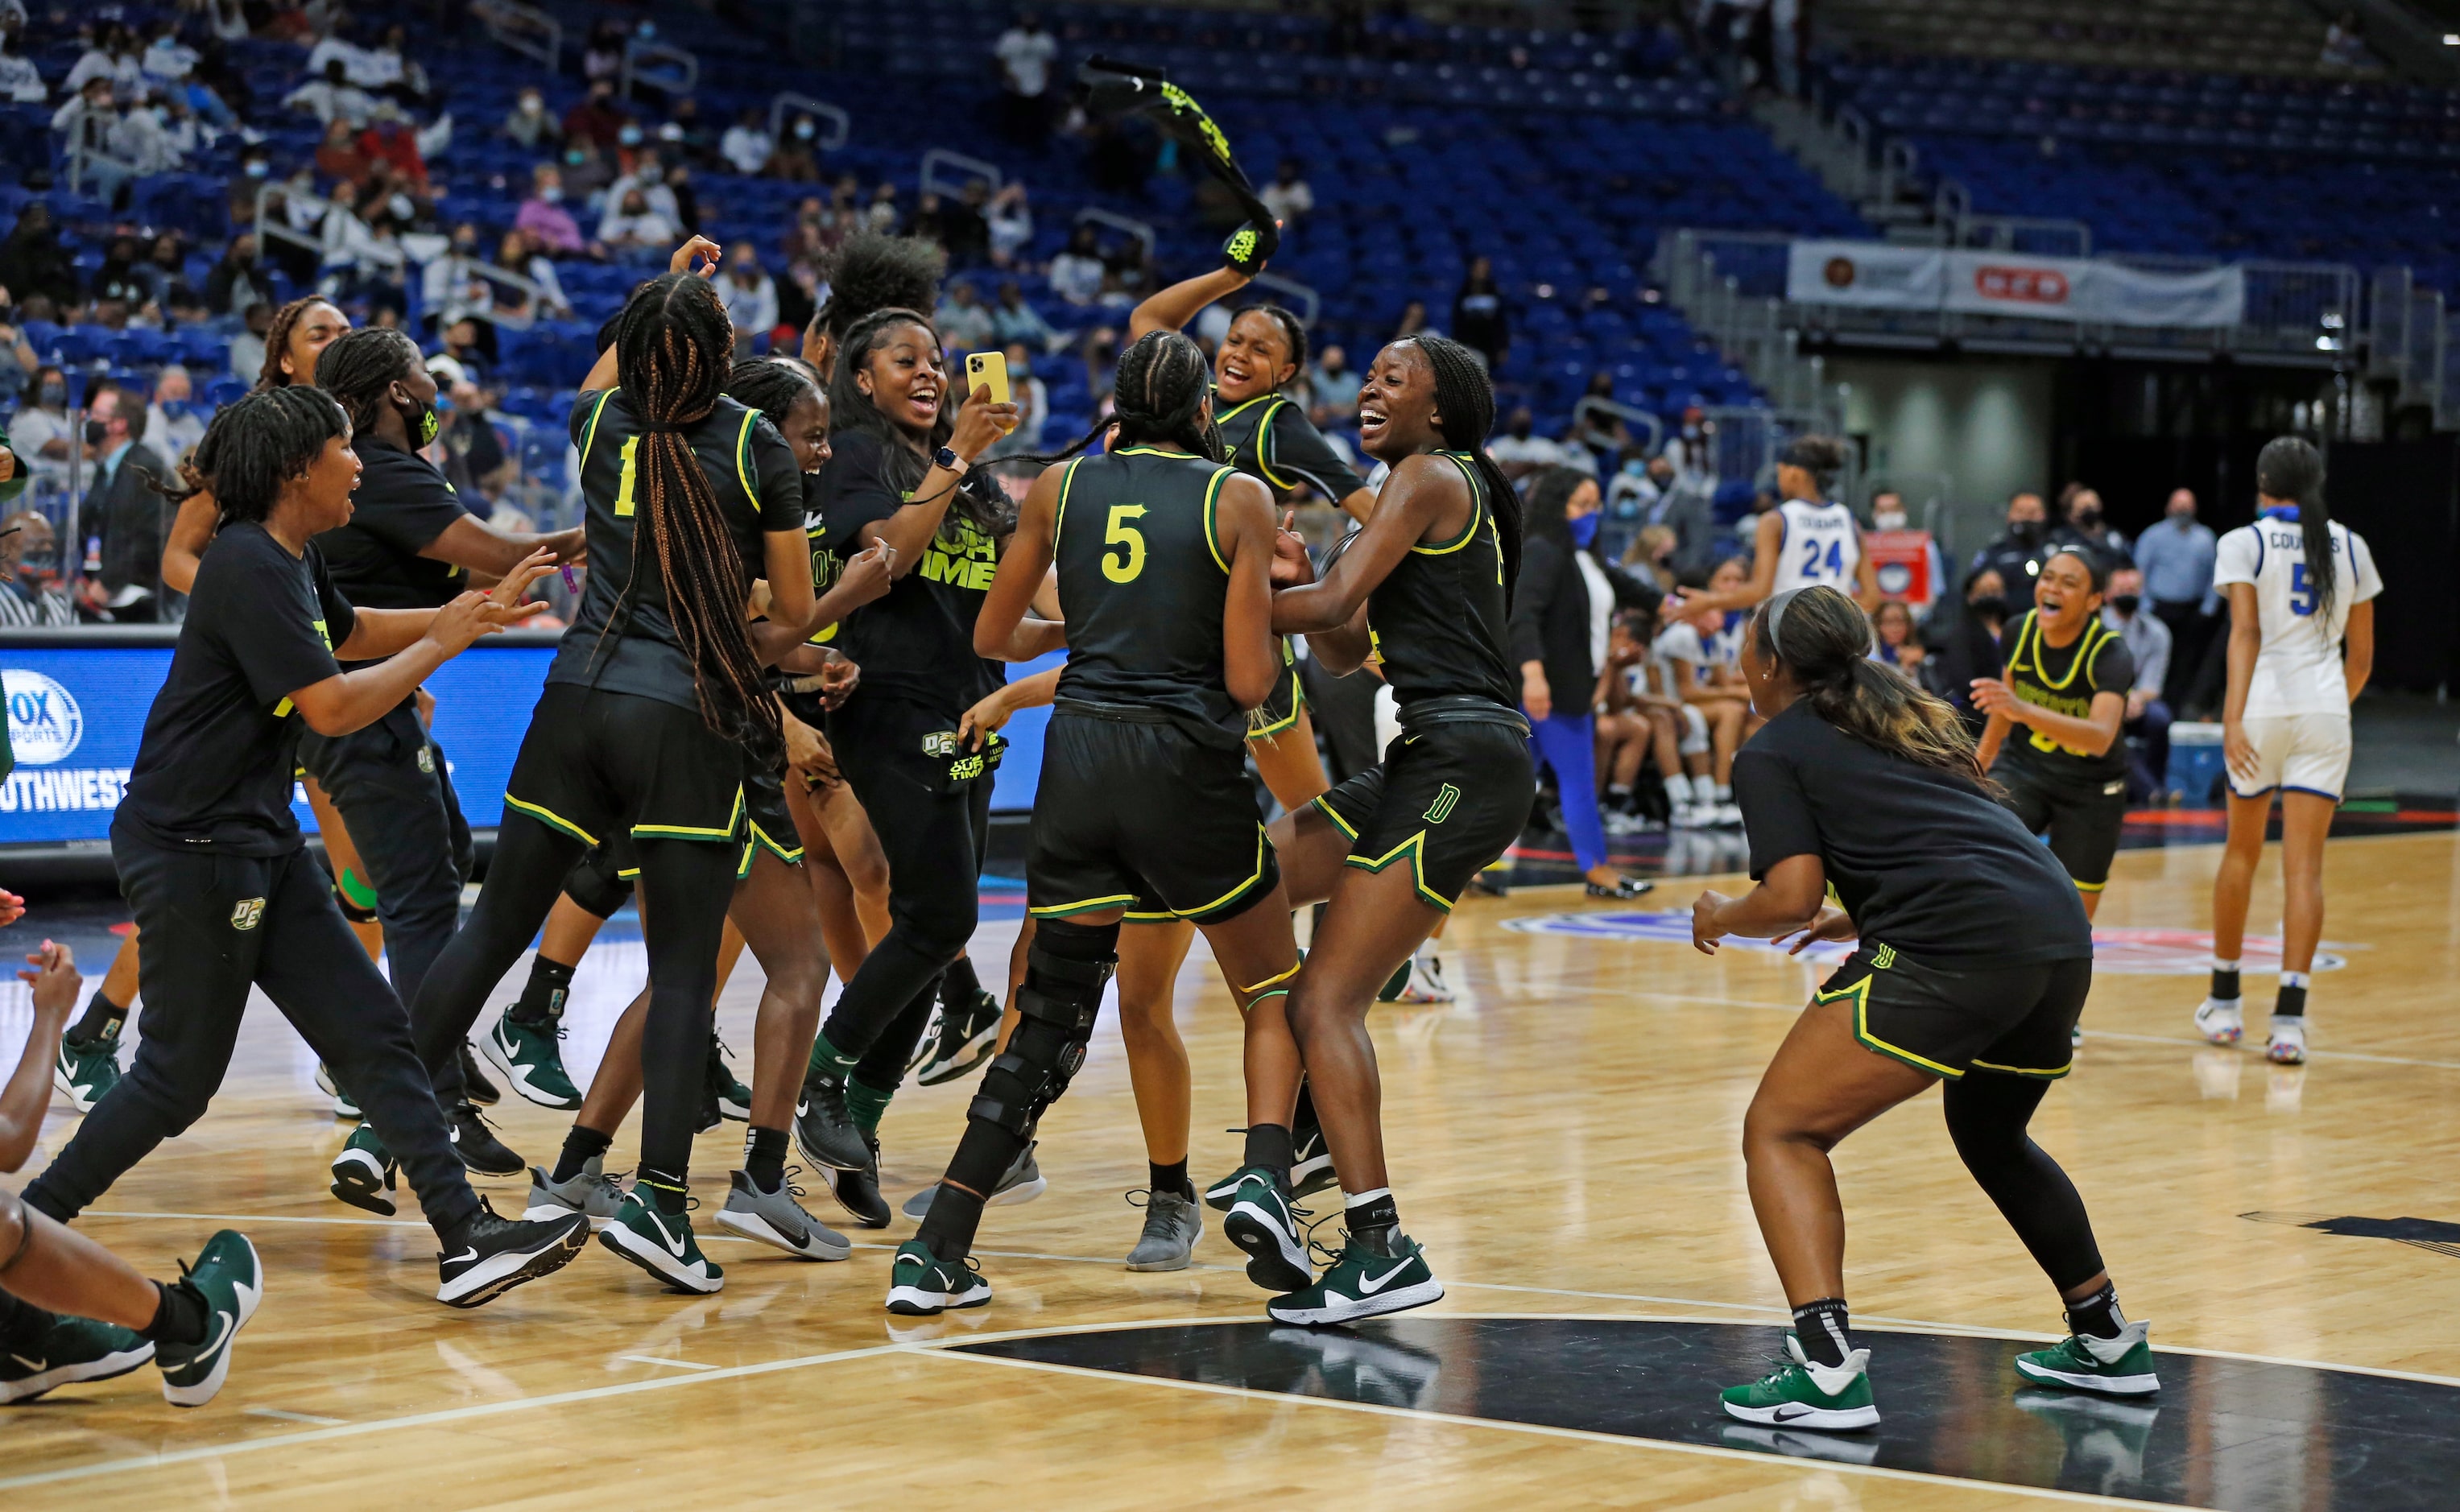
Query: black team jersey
pixel 917 641
pixel 1142 580
pixel 621 639
pixel 1269 437
pixel 2064 680
pixel 1439 618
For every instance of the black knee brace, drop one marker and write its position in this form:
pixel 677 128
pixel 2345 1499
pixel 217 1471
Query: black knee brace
pixel 593 883
pixel 1055 1008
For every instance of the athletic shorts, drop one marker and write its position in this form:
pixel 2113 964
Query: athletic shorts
pixel 2307 753
pixel 1447 798
pixel 2083 820
pixel 1140 815
pixel 1280 711
pixel 598 766
pixel 2018 1020
pixel 768 825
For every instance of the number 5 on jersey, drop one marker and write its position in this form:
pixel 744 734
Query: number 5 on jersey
pixel 1130 541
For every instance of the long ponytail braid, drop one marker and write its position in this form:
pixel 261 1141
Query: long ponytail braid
pixel 1465 404
pixel 2290 467
pixel 1824 639
pixel 673 343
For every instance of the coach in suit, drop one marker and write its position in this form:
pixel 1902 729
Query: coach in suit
pixel 122 510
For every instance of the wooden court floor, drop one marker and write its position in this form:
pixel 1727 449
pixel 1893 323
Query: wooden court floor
pixel 1565 1141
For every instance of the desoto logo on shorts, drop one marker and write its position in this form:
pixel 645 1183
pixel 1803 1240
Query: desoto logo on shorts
pixel 247 913
pixel 1441 810
pixel 1884 958
pixel 939 743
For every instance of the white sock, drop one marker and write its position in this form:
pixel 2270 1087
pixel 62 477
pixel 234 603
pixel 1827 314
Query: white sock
pixel 1350 1200
pixel 1678 790
pixel 2293 978
pixel 2221 965
pixel 1724 792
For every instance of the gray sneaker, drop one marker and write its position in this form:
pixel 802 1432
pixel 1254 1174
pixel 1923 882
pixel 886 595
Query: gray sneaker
pixel 776 1218
pixel 1172 1226
pixel 1021 1183
pixel 593 1192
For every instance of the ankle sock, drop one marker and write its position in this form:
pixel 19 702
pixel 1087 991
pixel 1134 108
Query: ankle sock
pixel 667 1192
pixel 1678 790
pixel 959 985
pixel 827 1059
pixel 1268 1144
pixel 1822 1328
pixel 2097 1316
pixel 1372 1218
pixel 764 1157
pixel 101 1021
pixel 580 1145
pixel 178 1314
pixel 865 1103
pixel 2224 988
pixel 1170 1179
pixel 2292 1002
pixel 541 1000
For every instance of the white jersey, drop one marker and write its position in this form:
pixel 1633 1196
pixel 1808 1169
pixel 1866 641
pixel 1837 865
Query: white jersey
pixel 2299 669
pixel 1822 544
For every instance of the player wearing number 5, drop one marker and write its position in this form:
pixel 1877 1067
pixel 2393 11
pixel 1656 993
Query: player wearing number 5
pixel 1808 539
pixel 2302 641
pixel 2065 680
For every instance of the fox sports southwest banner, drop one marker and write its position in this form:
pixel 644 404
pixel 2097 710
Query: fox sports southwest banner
pixel 1876 275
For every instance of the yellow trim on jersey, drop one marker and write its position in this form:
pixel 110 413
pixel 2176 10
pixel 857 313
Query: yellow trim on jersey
pixel 1317 804
pixel 1860 993
pixel 1060 515
pixel 589 433
pixel 2089 645
pixel 1415 848
pixel 551 819
pixel 1089 906
pixel 743 458
pixel 733 822
pixel 1211 496
pixel 1477 512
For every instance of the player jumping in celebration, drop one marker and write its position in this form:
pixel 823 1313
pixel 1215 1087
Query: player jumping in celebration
pixel 650 708
pixel 1974 961
pixel 1164 557
pixel 1428 585
pixel 2301 591
pixel 215 868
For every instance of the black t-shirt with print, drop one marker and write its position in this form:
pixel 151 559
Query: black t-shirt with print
pixel 1921 858
pixel 402 505
pixel 621 639
pixel 917 641
pixel 215 768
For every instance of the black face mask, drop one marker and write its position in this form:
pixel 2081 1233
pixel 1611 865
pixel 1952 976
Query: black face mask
pixel 2026 533
pixel 96 431
pixel 2088 520
pixel 1989 606
pixel 421 423
pixel 2125 603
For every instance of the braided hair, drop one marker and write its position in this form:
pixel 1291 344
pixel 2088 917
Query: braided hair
pixel 1159 396
pixel 359 369
pixel 2290 467
pixel 1824 639
pixel 671 344
pixel 277 343
pixel 254 446
pixel 771 386
pixel 1465 407
pixel 902 463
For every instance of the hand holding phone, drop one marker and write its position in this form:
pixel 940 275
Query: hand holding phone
pixel 988 370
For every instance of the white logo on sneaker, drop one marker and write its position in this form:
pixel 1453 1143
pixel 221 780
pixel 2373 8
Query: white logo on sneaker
pixel 35 1365
pixel 1369 1286
pixel 471 1254
pixel 223 1324
pixel 674 1245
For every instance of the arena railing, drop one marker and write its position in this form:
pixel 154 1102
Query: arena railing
pixel 1628 414
pixel 1303 298
pixel 788 102
pixel 642 61
pixel 523 28
pixel 936 158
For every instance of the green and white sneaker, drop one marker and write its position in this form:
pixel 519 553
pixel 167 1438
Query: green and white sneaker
pixel 1802 1394
pixel 229 1278
pixel 1262 1224
pixel 86 1070
pixel 2119 1367
pixel 921 1285
pixel 1363 1282
pixel 363 1172
pixel 662 1244
pixel 345 1105
pixel 721 1091
pixel 592 1192
pixel 66 1351
pixel 531 1057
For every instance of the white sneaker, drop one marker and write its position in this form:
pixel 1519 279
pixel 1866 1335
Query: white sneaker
pixel 1728 816
pixel 2288 1045
pixel 1427 984
pixel 2220 1022
pixel 1630 824
pixel 1694 816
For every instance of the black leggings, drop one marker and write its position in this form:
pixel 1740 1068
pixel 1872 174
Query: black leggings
pixel 1986 1115
pixel 934 843
pixel 684 885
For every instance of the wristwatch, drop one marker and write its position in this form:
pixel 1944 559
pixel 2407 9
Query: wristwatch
pixel 948 461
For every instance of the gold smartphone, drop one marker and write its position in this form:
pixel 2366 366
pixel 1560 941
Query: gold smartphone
pixel 987 370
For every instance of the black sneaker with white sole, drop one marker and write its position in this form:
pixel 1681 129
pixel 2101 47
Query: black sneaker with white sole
pixel 498 1253
pixel 474 1084
pixel 857 1192
pixel 824 1131
pixel 963 1041
pixel 479 1148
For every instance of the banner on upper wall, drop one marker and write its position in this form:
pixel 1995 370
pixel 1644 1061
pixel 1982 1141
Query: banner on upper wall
pixel 1876 275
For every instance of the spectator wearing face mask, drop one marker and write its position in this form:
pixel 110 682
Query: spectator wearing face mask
pixel 2083 522
pixel 173 424
pixel 542 216
pixel 649 176
pixel 749 296
pixel 30 572
pixel 529 124
pixel 1332 388
pixel 21 83
pixel 631 225
pixel 746 145
pixel 41 432
pixel 598 118
pixel 2148 715
pixel 1964 644
pixel 1888 513
pixel 122 508
pixel 2017 556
